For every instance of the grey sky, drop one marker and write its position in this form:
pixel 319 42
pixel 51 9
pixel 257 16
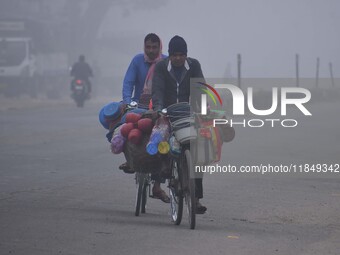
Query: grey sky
pixel 268 34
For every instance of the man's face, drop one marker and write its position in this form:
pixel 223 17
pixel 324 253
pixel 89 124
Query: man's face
pixel 151 49
pixel 178 59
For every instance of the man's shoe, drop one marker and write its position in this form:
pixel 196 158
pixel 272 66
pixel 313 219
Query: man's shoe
pixel 126 168
pixel 160 194
pixel 200 209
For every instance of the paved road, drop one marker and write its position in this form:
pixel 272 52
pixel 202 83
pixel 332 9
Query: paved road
pixel 61 192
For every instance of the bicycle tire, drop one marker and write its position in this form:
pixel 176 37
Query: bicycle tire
pixel 176 195
pixel 140 177
pixel 144 195
pixel 190 197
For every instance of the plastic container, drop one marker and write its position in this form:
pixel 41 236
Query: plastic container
pixel 163 147
pixel 160 132
pixel 184 129
pixel 111 112
pixel 178 111
pixel 152 148
pixel 117 142
pixel 175 146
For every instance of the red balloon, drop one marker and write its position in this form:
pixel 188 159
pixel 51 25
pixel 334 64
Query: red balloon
pixel 145 125
pixel 126 128
pixel 135 136
pixel 132 117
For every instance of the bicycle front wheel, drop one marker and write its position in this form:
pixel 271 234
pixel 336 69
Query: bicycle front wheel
pixel 176 195
pixel 189 191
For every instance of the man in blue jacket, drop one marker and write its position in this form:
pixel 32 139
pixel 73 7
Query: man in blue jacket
pixel 141 65
pixel 137 83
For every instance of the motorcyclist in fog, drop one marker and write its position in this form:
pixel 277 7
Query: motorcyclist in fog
pixel 82 70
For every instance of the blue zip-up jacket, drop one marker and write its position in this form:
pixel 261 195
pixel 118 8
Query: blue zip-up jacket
pixel 135 78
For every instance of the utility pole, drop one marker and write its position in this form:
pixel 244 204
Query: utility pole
pixel 317 72
pixel 297 69
pixel 331 73
pixel 239 70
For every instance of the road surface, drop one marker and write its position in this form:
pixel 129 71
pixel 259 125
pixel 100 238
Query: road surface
pixel 61 191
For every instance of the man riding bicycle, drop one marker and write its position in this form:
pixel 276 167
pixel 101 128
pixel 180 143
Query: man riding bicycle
pixel 137 88
pixel 171 84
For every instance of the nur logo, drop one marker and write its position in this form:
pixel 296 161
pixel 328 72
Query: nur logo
pixel 239 99
pixel 209 90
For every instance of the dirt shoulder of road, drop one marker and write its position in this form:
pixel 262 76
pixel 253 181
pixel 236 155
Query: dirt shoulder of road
pixel 26 102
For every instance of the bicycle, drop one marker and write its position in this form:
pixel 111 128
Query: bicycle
pixel 142 178
pixel 185 128
pixel 182 188
pixel 143 181
pixel 143 173
pixel 182 181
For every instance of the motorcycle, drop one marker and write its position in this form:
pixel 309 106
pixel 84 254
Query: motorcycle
pixel 80 91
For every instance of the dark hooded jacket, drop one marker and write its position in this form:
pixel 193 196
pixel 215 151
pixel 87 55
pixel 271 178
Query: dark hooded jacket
pixel 166 90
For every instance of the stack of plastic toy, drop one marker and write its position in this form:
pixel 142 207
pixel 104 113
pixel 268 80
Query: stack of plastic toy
pixel 159 137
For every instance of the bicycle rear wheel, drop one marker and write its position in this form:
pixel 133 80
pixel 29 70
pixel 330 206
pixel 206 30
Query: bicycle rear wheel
pixel 176 195
pixel 140 181
pixel 189 191
pixel 144 194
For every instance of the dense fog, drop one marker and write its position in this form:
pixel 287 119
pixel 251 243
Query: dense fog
pixel 267 34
